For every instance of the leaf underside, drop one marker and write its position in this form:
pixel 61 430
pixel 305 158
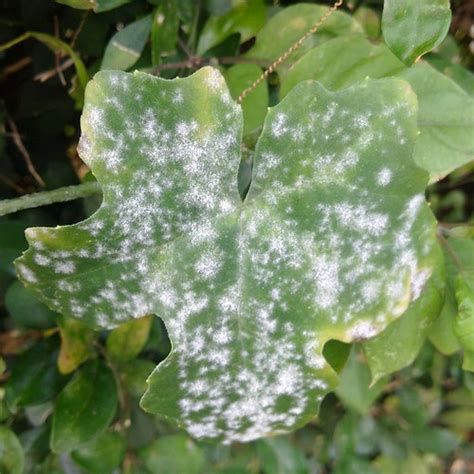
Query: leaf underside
pixel 333 241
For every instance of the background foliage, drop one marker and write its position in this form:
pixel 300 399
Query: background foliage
pixel 56 372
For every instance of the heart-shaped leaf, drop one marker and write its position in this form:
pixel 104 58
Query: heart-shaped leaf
pixel 332 242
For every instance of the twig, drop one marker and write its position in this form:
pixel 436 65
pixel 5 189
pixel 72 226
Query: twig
pixel 45 75
pixel 290 50
pixel 11 184
pixel 15 67
pixel 24 152
pixel 57 55
pixel 79 28
pixel 195 62
pixel 68 193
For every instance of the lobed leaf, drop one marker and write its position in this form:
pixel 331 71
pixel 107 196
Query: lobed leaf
pixel 446 112
pixel 333 241
pixel 413 28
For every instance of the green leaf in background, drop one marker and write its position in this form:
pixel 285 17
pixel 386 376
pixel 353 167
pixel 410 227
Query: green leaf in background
pixel 432 439
pixel 12 243
pixel 291 23
pixel 370 21
pixel 125 342
pixel 247 18
pixel 102 455
pixel 76 344
pixel 126 46
pixel 400 343
pixel 464 322
pixel 34 378
pixel 97 5
pixel 341 62
pixel 445 119
pixel 134 375
pixel 279 456
pixel 11 453
pixel 25 309
pixel 455 327
pixel 164 30
pixel 173 238
pixel 255 104
pixel 413 28
pixel 355 388
pixel 85 407
pixel 457 73
pixel 173 454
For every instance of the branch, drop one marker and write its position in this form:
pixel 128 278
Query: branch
pixel 68 193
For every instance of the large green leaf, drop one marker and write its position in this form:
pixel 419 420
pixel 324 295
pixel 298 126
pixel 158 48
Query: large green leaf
pixel 333 241
pixel 412 28
pixel 85 407
pixel 289 25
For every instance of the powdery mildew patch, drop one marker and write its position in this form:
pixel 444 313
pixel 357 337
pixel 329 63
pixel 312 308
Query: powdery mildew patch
pixel 333 241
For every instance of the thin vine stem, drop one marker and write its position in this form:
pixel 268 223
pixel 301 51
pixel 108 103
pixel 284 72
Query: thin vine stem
pixel 290 50
pixel 44 198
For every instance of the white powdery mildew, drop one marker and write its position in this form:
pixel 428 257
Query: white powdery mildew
pixel 245 308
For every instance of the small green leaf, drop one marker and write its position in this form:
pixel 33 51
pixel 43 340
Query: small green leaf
pixel 291 23
pixel 25 309
pixel 400 343
pixel 97 5
pixel 76 344
pixel 125 342
pixel 174 454
pixel 102 455
pixel 246 18
pixel 413 28
pixel 255 104
pixel 164 30
pixel 355 388
pixel 126 46
pixel 134 375
pixel 85 408
pixel 445 119
pixel 12 458
pixel 35 379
